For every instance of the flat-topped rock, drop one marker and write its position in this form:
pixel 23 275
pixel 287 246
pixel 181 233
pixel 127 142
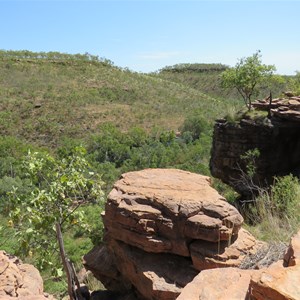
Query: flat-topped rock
pixel 163 210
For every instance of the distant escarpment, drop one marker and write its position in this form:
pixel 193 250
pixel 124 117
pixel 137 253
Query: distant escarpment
pixel 277 137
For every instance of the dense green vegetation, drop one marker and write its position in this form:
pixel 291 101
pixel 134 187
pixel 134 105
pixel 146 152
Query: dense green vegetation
pixel 51 103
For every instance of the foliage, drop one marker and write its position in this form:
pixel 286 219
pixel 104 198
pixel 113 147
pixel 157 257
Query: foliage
pixel 294 83
pixel 113 152
pixel 274 213
pixel 58 188
pixel 247 75
pixel 250 160
pixel 53 56
pixel 194 68
pixel 285 194
pixel 193 126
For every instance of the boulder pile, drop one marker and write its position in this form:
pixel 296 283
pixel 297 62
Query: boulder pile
pixel 162 227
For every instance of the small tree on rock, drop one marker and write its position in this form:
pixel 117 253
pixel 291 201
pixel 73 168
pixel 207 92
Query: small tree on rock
pixel 247 75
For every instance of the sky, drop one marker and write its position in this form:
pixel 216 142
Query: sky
pixel 147 35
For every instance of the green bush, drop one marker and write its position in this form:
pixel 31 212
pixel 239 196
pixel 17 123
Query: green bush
pixel 275 213
pixel 193 126
pixel 285 194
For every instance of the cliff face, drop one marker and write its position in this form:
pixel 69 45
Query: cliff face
pixel 277 139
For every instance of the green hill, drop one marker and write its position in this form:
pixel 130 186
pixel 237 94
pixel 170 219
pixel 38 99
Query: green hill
pixel 47 96
pixel 126 121
pixel 207 79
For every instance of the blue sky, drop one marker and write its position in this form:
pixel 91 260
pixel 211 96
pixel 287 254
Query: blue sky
pixel 146 35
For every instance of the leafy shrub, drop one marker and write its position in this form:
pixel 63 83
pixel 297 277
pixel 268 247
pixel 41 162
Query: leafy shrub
pixel 274 213
pixel 285 194
pixel 193 126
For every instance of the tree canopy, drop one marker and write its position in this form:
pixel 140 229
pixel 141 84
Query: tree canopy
pixel 247 75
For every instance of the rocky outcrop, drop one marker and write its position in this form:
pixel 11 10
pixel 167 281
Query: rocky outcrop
pixel 283 108
pixel 277 138
pixel 20 281
pixel 280 281
pixel 163 227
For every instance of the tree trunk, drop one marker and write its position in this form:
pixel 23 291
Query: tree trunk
pixel 70 272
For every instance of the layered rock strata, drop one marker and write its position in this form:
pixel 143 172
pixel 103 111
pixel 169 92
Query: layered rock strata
pixel 278 142
pixel 163 226
pixel 283 108
pixel 280 281
pixel 20 281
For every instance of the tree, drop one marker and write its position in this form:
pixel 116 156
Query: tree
pixel 247 75
pixel 58 188
pixel 294 83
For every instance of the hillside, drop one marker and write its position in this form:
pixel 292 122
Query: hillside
pixel 127 121
pixel 47 96
pixel 207 79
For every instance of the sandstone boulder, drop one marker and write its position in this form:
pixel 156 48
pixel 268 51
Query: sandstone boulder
pixel 19 281
pixel 161 227
pixel 163 210
pixel 276 282
pixel 219 284
pixel 207 255
pixel 292 255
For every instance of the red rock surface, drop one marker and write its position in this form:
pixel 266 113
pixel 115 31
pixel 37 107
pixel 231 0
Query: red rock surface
pixel 158 223
pixel 284 108
pixel 207 255
pixel 162 210
pixel 279 282
pixel 219 284
pixel 20 281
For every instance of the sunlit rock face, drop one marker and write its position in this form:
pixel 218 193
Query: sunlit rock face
pixel 158 225
pixel 20 281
